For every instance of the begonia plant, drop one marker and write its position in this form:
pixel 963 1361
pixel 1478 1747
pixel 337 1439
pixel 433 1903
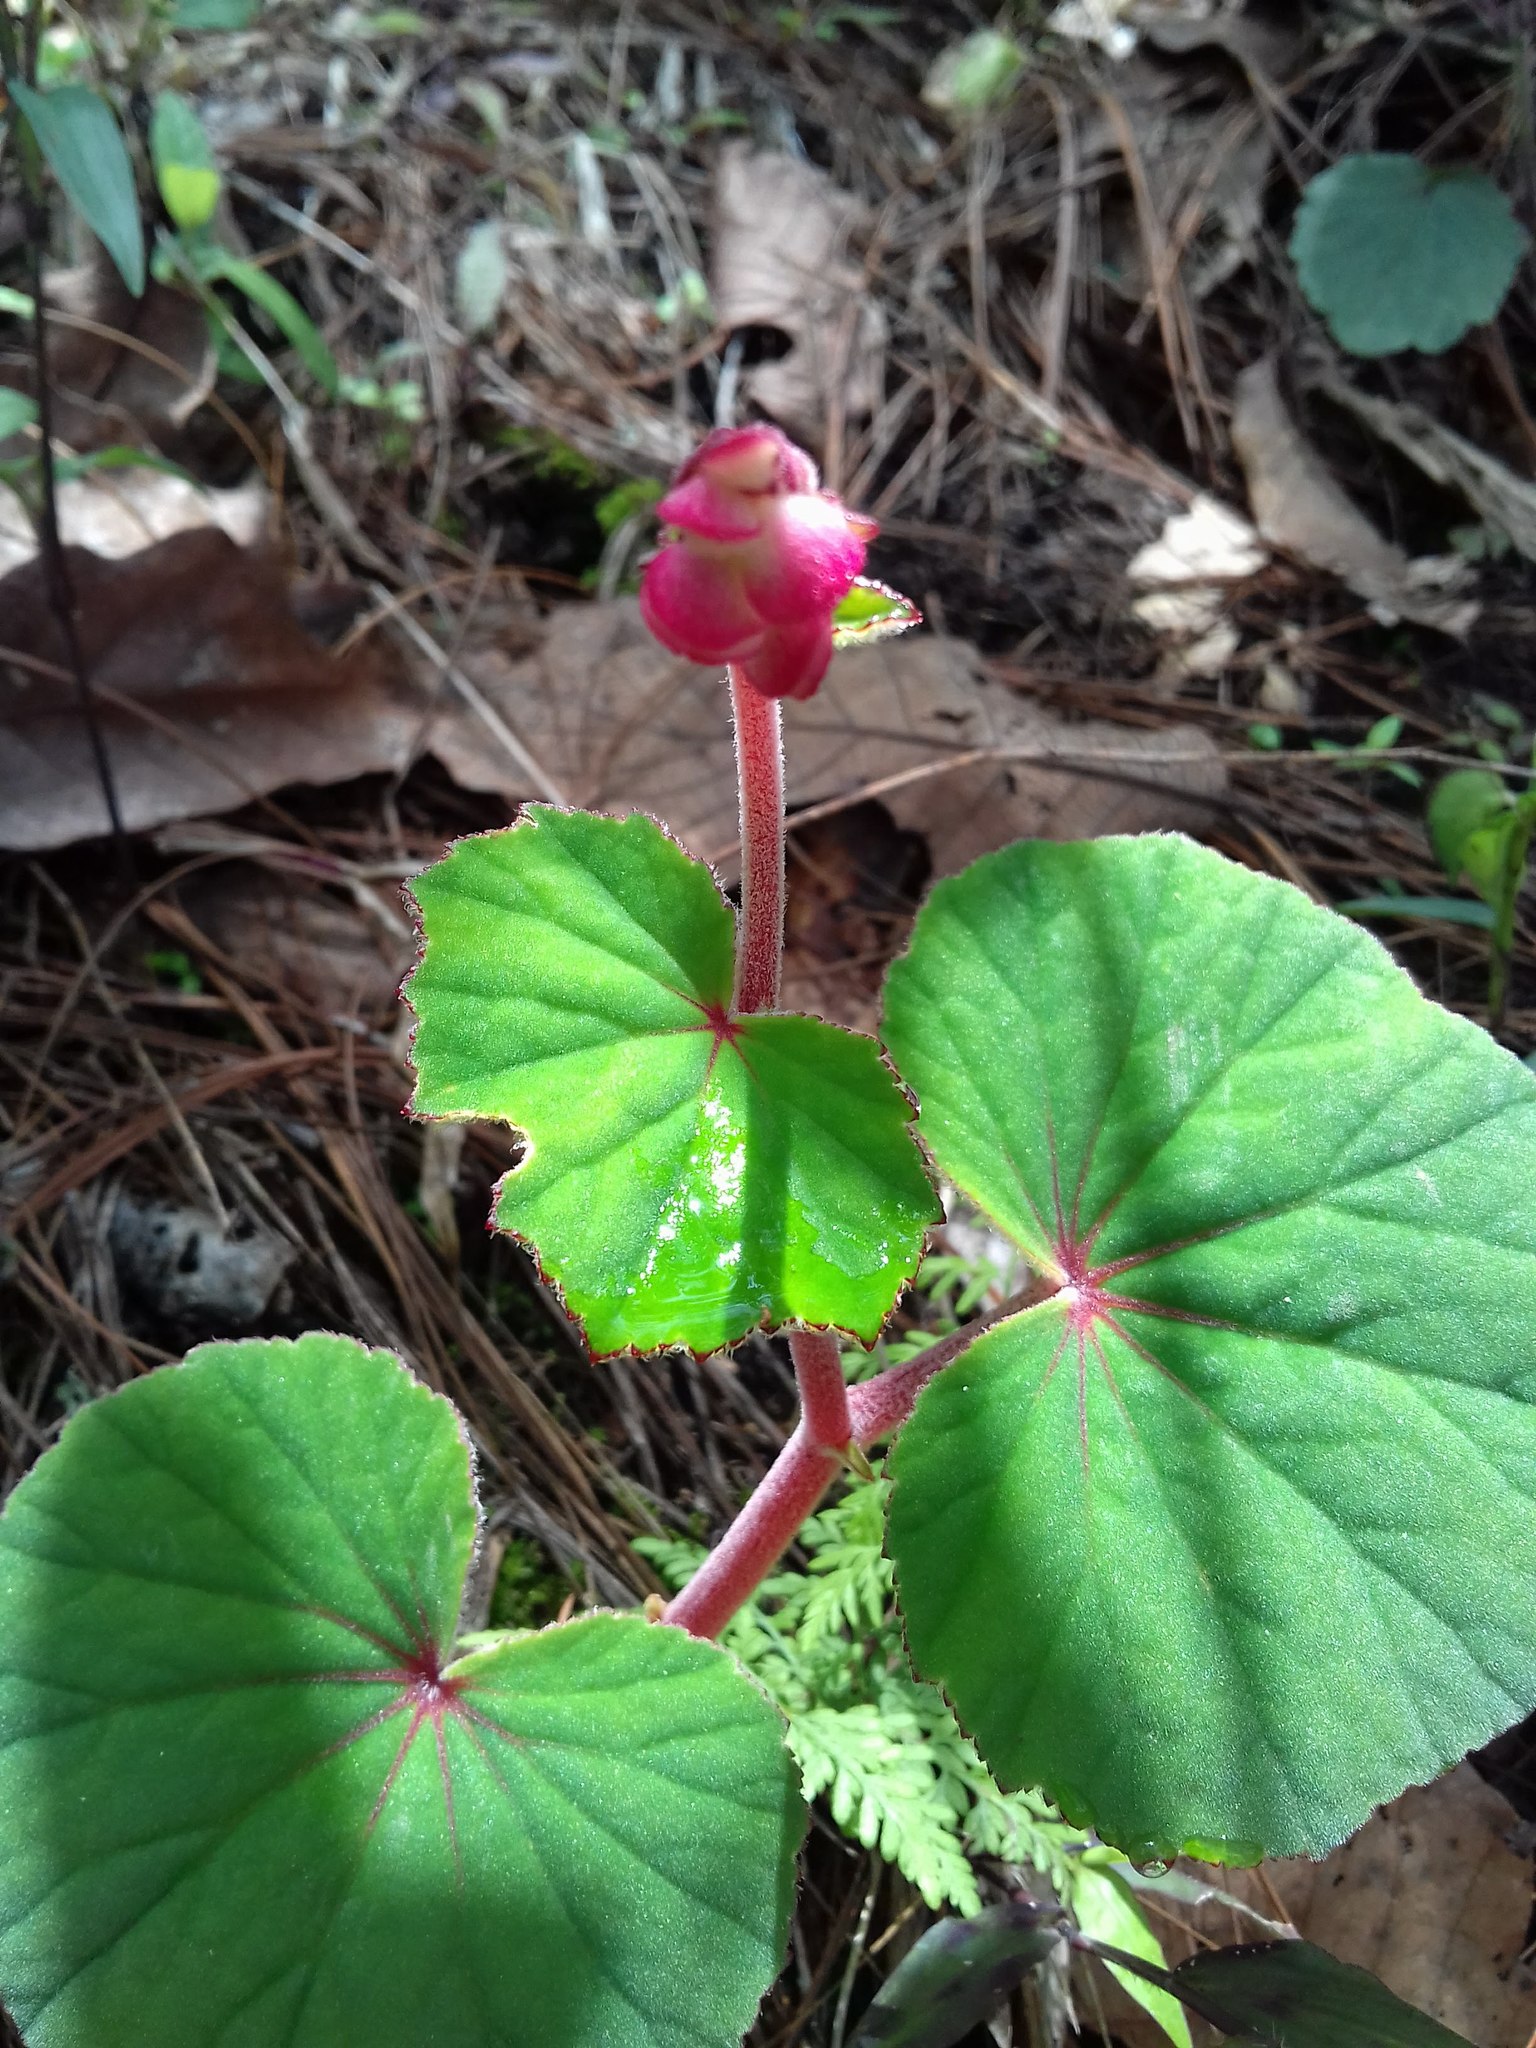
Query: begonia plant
pixel 1221 1532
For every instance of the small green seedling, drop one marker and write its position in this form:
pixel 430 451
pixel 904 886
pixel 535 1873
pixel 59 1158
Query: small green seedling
pixel 1482 835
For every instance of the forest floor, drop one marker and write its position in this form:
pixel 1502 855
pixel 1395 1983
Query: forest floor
pixel 1184 562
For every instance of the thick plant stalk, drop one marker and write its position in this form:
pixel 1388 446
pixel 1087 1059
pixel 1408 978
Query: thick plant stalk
pixel 760 768
pixel 823 1391
pixel 804 1469
pixel 832 1416
pixel 758 1537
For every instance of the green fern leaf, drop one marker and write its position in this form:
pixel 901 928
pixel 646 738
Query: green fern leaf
pixel 884 1791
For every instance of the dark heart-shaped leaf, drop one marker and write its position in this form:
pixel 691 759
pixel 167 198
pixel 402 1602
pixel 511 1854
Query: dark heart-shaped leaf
pixel 248 1795
pixel 1233 1536
pixel 689 1175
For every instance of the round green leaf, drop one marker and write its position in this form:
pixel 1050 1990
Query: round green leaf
pixel 1233 1537
pixel 1395 255
pixel 688 1175
pixel 247 1796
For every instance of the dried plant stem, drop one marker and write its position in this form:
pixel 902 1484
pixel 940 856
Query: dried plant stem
pixel 760 768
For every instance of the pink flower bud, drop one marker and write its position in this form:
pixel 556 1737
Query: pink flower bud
pixel 761 560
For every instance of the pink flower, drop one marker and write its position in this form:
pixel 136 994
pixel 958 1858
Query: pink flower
pixel 761 560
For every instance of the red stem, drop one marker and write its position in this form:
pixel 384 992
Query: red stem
pixel 760 768
pixel 803 1471
pixel 831 1415
pixel 823 1390
pixel 757 1539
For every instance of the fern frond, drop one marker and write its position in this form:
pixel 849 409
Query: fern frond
pixel 674 1559
pixel 884 1791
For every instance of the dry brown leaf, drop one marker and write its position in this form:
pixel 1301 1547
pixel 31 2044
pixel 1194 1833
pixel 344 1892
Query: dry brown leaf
pixel 209 688
pixel 1433 1895
pixel 106 390
pixel 1298 507
pixel 1263 40
pixel 780 259
pixel 622 725
pixel 1507 502
pixel 1204 163
pixel 340 949
pixel 118 512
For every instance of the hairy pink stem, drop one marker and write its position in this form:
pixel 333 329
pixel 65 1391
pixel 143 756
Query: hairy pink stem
pixel 760 768
pixel 758 1538
pixel 823 1390
pixel 804 1469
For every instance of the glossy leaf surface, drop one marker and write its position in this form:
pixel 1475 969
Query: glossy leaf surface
pixel 1233 1537
pixel 247 1796
pixel 688 1175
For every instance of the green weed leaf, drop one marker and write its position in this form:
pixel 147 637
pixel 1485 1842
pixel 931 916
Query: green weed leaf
pixel 78 134
pixel 214 14
pixel 185 167
pixel 213 265
pixel 1288 1994
pixel 1231 1538
pixel 688 1175
pixel 1105 1909
pixel 955 1975
pixel 1434 909
pixel 1463 803
pixel 17 411
pixel 247 1794
pixel 1395 255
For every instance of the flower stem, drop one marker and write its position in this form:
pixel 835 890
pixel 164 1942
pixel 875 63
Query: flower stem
pixel 760 768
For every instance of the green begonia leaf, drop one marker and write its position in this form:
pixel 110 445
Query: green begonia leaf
pixel 688 1175
pixel 1233 1536
pixel 247 1796
pixel 1397 255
